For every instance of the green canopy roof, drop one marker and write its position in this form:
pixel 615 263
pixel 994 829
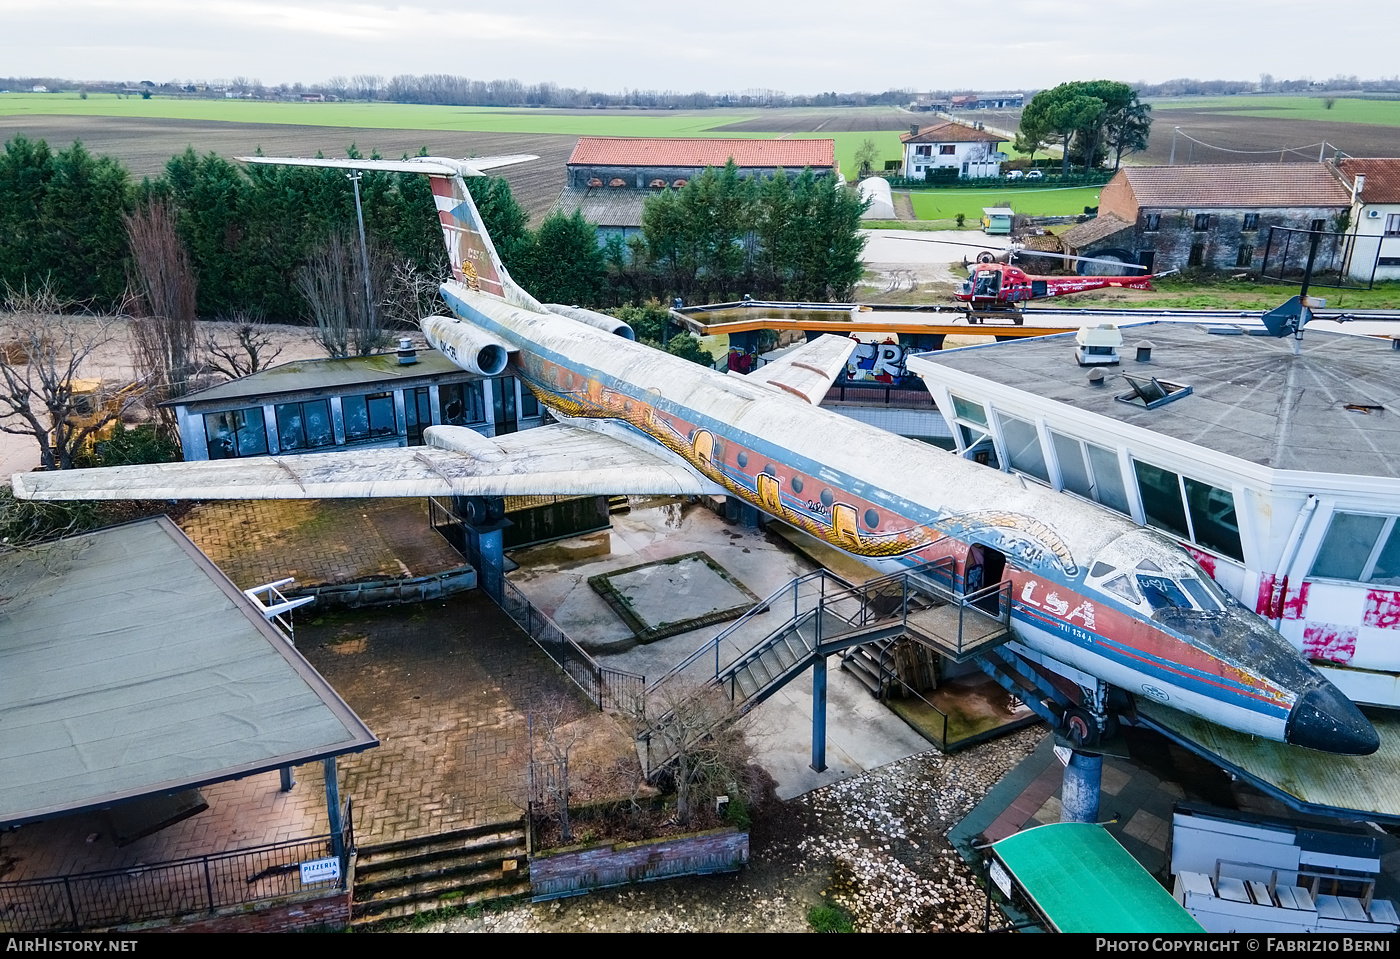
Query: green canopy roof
pixel 1082 880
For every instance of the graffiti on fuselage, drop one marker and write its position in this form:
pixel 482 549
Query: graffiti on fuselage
pixel 845 521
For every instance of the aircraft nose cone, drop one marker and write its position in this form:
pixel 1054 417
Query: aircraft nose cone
pixel 1324 719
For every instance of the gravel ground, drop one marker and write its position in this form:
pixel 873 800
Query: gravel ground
pixel 874 846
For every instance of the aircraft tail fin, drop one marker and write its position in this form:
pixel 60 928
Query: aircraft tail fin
pixel 475 262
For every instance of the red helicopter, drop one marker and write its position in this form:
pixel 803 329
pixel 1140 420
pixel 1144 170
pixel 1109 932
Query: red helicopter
pixel 996 288
pixel 993 286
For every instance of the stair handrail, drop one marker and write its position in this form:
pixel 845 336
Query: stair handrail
pixel 758 608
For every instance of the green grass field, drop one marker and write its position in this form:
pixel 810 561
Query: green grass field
pixel 1345 110
pixel 943 204
pixel 407 116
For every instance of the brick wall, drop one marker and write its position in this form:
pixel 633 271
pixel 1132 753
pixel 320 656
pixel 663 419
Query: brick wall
pixel 563 872
pixel 328 911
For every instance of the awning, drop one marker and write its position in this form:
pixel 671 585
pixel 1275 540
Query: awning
pixel 1081 880
pixel 130 666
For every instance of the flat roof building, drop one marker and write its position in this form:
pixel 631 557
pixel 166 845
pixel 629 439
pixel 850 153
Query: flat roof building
pixel 362 402
pixel 1280 473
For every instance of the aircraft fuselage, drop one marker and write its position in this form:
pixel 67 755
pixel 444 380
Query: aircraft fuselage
pixel 897 503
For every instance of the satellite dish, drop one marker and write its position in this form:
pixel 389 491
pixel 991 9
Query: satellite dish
pixel 1288 319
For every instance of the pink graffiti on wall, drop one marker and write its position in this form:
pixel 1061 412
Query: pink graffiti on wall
pixel 1329 641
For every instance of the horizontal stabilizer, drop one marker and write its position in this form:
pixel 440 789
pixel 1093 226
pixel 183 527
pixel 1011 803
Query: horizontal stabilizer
pixel 808 371
pixel 435 166
pixel 550 460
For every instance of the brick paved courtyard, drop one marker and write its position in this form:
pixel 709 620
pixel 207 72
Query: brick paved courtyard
pixel 447 687
pixel 319 541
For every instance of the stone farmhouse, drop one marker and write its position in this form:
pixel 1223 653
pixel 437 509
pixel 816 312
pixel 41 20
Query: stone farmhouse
pixel 1213 216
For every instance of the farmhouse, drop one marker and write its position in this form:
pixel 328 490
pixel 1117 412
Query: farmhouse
pixel 1375 216
pixel 1210 215
pixel 610 178
pixel 971 152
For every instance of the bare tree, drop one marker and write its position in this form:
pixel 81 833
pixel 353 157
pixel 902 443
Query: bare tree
pixel 552 741
pixel 333 283
pixel 412 294
pixel 41 354
pixel 241 346
pixel 704 730
pixel 163 305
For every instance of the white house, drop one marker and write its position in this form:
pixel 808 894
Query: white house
pixel 974 152
pixel 1375 216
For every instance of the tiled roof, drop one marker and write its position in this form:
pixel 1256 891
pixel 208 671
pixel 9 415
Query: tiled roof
pixel 1236 185
pixel 1382 177
pixel 1092 231
pixel 950 133
pixel 676 152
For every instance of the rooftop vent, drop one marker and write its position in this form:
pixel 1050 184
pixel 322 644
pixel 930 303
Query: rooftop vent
pixel 1097 377
pixel 407 354
pixel 1144 351
pixel 1152 392
pixel 1098 345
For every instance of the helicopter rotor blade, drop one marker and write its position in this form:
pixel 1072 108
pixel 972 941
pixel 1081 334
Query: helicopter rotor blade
pixel 1023 252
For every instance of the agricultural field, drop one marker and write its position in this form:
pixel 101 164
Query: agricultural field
pixel 946 204
pixel 34 112
pixel 145 145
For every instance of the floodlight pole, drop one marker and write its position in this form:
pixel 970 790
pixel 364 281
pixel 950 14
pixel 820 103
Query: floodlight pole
pixel 354 178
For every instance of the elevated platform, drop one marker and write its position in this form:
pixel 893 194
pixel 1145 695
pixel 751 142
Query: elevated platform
pixel 1357 787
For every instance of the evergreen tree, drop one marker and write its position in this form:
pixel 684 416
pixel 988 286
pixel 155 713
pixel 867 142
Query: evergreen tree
pixel 61 221
pixel 562 262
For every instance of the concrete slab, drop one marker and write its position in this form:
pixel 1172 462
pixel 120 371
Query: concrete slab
pixel 861 733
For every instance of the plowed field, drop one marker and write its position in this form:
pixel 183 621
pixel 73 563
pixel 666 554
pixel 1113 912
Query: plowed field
pixel 145 144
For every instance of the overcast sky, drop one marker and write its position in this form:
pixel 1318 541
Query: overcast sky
pixel 798 46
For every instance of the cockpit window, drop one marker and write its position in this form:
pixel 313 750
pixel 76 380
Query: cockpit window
pixel 1201 595
pixel 1163 592
pixel 1122 587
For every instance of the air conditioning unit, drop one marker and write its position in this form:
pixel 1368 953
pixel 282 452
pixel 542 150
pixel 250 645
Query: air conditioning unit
pixel 1373 214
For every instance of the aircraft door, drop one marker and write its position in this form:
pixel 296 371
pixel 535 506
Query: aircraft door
pixel 984 567
pixel 988 283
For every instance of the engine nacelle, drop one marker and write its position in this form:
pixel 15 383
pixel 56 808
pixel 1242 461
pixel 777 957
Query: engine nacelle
pixel 609 324
pixel 470 347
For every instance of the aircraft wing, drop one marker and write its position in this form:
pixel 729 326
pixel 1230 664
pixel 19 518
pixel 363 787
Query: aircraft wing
pixel 808 371
pixel 560 459
pixel 441 166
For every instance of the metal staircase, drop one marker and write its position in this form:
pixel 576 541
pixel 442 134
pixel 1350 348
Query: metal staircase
pixel 823 614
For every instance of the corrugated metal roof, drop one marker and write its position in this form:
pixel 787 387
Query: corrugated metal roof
pixel 950 133
pixel 1382 177
pixel 1236 185
pixel 1361 784
pixel 1082 880
pixel 132 666
pixel 702 152
pixel 339 375
pixel 605 206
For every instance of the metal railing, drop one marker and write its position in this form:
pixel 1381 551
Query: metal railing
pixel 825 612
pixel 180 887
pixel 608 688
pixel 904 397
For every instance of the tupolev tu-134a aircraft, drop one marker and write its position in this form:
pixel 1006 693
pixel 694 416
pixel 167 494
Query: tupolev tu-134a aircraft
pixel 1094 597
